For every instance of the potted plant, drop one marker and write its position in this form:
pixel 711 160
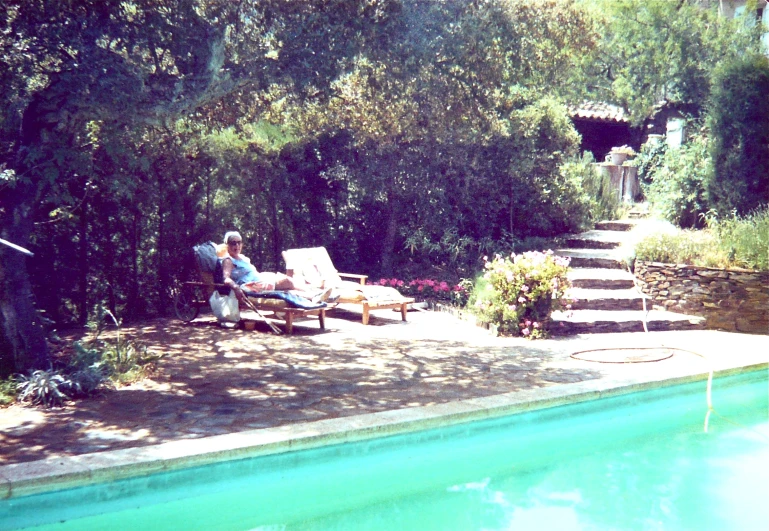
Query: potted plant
pixel 620 154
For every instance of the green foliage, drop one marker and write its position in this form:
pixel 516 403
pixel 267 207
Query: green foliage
pixel 120 360
pixel 650 160
pixel 726 243
pixel 93 365
pixel 593 198
pixel 677 191
pixel 663 51
pixel 681 247
pixel 47 388
pixel 739 121
pixel 7 391
pixel 403 136
pixel 744 239
pixel 519 293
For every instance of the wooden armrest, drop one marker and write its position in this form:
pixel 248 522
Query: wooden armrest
pixel 361 278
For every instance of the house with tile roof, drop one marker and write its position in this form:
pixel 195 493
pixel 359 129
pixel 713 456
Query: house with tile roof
pixel 603 126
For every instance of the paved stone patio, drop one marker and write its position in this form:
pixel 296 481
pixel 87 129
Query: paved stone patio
pixel 213 381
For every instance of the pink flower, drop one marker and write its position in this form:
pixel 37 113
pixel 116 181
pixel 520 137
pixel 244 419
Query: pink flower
pixel 521 299
pixel 400 283
pixel 420 288
pixel 525 288
pixel 525 331
pixel 382 281
pixel 536 324
pixel 527 323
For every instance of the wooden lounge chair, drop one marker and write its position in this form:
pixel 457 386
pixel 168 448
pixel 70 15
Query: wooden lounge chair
pixel 190 296
pixel 314 264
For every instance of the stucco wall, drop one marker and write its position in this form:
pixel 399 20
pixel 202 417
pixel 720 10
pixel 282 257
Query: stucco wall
pixel 733 299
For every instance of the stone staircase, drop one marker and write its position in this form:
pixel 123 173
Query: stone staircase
pixel 606 299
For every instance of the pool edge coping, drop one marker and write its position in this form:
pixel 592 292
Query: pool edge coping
pixel 59 473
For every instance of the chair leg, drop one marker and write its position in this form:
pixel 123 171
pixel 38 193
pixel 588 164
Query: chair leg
pixel 289 322
pixel 365 312
pixel 322 319
pixel 403 311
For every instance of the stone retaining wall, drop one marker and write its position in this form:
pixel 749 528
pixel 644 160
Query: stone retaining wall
pixel 729 299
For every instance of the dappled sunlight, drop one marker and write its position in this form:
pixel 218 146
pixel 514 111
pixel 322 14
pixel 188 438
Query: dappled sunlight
pixel 212 380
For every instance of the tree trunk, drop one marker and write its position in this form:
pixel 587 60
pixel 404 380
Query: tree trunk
pixel 24 344
pixel 388 245
pixel 82 303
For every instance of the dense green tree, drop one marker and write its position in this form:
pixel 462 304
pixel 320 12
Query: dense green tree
pixel 739 123
pixel 72 68
pixel 397 133
pixel 662 51
pixel 434 117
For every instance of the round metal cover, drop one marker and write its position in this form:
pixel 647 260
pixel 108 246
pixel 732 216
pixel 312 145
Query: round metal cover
pixel 625 355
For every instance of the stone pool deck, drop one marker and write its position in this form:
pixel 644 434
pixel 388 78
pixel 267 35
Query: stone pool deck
pixel 224 394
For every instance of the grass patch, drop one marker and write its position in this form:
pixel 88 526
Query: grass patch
pixel 738 242
pixel 744 240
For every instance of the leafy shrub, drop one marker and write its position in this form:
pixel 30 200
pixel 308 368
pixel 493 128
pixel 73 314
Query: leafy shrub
pixel 94 364
pixel 677 191
pixel 599 200
pixel 682 247
pixel 727 243
pixel 453 252
pixel 649 161
pixel 744 240
pixel 48 388
pixel 7 391
pixel 739 121
pixel 519 293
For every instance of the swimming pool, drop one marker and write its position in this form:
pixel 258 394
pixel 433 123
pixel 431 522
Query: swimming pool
pixel 638 461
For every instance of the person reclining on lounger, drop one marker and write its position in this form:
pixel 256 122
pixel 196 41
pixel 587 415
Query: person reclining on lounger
pixel 240 274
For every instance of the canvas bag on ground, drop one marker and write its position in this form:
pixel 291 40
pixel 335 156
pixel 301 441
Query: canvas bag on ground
pixel 225 307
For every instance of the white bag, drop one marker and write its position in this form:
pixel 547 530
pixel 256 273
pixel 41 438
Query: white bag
pixel 225 308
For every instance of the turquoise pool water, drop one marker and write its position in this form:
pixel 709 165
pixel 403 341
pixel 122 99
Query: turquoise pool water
pixel 641 461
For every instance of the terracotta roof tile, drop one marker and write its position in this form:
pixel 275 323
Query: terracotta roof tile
pixel 599 111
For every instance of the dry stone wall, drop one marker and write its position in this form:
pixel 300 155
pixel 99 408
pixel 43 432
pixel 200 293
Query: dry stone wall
pixel 729 299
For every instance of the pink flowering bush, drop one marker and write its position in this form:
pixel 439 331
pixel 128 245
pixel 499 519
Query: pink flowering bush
pixel 519 293
pixel 426 288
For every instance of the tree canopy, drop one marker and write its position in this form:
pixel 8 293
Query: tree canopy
pixel 402 135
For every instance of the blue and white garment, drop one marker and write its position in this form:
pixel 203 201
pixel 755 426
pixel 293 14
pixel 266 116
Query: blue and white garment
pixel 244 272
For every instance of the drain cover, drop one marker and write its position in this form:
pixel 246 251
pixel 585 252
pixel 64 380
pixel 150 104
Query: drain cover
pixel 625 355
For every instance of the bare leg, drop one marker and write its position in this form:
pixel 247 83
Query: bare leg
pixel 282 282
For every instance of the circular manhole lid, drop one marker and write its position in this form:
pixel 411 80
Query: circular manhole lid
pixel 625 355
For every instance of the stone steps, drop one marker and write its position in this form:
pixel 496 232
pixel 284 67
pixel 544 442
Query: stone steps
pixel 606 299
pixel 593 258
pixel 604 295
pixel 623 225
pixel 606 321
pixel 598 278
pixel 595 239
